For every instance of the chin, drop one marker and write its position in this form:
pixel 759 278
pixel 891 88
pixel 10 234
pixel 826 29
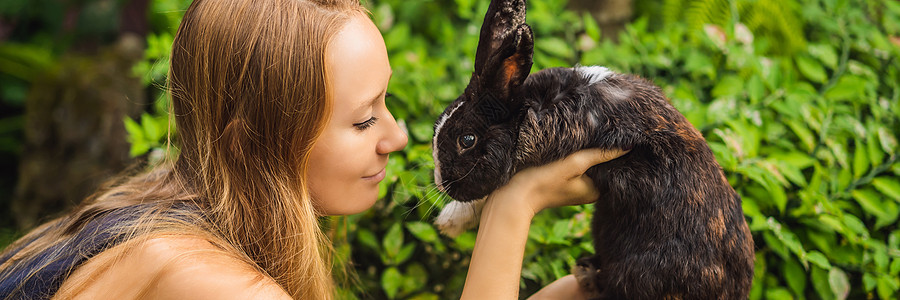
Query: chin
pixel 355 204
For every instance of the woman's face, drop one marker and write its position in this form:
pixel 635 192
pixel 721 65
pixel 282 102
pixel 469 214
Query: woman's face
pixel 348 161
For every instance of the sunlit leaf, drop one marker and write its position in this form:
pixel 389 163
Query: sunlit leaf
pixel 779 294
pixel 888 141
pixel 391 280
pixel 860 160
pixel 806 136
pixel 423 231
pixel 887 286
pixel 840 284
pixel 393 240
pixel 728 86
pixel 870 202
pixel 825 53
pixel 811 69
pixel 888 186
pixel 819 259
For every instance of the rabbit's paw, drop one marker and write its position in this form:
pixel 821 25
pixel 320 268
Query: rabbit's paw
pixel 457 217
pixel 586 274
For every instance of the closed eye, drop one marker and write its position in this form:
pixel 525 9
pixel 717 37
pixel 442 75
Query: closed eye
pixel 365 125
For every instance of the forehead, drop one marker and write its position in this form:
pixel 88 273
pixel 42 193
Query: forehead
pixel 357 62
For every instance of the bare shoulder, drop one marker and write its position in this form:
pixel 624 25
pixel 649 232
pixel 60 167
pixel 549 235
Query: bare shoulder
pixel 193 267
pixel 169 267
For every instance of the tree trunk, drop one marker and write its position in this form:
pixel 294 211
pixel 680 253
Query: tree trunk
pixel 74 135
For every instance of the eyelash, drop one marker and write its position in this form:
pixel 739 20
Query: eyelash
pixel 371 121
pixel 365 125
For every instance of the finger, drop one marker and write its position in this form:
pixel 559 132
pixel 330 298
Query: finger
pixel 578 190
pixel 584 159
pixel 588 189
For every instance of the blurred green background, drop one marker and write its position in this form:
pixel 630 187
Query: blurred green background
pixel 799 101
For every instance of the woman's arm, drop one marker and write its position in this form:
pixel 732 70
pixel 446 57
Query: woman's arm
pixel 496 264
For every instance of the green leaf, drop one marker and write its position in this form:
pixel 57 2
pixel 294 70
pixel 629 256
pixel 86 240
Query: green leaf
pixel 465 241
pixel 856 225
pixel 840 284
pixel 860 161
pixel 755 89
pixel 759 273
pixel 840 153
pixel 894 270
pixel 802 131
pixel 789 239
pixel 791 172
pixel 391 280
pixel 416 278
pixel 880 258
pixel 819 278
pixel 876 154
pixel 886 286
pixel 425 296
pixel 393 240
pixel 869 201
pixel 869 281
pixel 888 141
pixel 405 253
pixel 819 259
pixel 888 186
pixel 832 222
pixel 795 276
pixel 366 237
pixel 590 26
pixel 152 132
pixel 779 294
pixel 728 86
pixel 555 47
pixel 139 147
pixel 825 53
pixel 811 69
pixel 422 131
pixel 848 87
pixel 423 231
pixel 135 131
pixel 560 232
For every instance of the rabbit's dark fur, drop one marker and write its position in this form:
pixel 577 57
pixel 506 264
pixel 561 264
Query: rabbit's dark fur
pixel 667 224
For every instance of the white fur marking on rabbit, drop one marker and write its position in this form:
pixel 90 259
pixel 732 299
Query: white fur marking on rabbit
pixel 437 163
pixel 594 73
pixel 457 217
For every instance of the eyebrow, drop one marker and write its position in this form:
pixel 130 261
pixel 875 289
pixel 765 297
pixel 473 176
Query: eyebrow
pixel 372 101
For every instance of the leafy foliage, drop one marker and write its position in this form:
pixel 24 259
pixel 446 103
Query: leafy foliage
pixel 808 137
pixel 774 20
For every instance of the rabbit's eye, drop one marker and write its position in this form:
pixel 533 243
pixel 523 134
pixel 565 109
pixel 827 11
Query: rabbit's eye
pixel 467 141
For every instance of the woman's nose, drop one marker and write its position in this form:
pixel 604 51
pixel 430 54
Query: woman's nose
pixel 395 138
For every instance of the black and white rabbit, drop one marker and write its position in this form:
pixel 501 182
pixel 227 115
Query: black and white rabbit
pixel 667 224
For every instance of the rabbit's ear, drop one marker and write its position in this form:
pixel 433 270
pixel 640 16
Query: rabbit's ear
pixel 505 50
pixel 502 19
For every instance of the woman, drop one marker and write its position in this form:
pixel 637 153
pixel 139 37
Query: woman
pixel 281 118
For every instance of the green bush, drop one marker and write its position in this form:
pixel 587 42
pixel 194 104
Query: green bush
pixel 801 112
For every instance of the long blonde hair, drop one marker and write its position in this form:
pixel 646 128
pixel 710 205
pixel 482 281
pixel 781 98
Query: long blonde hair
pixel 249 90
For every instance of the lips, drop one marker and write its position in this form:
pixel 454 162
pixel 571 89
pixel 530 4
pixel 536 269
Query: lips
pixel 377 177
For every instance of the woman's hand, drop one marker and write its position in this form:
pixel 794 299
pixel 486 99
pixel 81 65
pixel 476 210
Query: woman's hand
pixel 566 288
pixel 496 265
pixel 561 182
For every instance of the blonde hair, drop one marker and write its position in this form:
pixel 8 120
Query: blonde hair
pixel 249 89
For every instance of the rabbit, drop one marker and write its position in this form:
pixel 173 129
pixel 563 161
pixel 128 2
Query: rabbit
pixel 667 224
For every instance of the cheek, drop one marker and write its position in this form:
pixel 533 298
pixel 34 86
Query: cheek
pixel 337 165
